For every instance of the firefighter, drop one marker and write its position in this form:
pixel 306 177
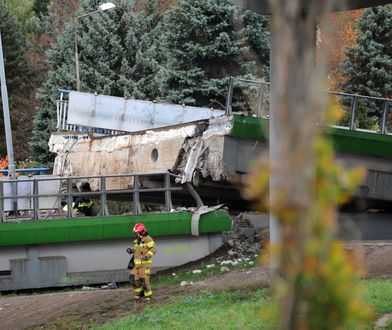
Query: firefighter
pixel 83 205
pixel 143 250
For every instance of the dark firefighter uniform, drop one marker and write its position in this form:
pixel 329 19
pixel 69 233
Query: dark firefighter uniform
pixel 143 250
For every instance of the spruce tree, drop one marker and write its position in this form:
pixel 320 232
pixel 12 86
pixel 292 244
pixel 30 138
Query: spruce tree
pixel 203 47
pixel 16 69
pixel 101 44
pixel 149 56
pixel 257 32
pixel 368 67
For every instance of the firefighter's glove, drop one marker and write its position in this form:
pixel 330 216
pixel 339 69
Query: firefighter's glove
pixel 130 251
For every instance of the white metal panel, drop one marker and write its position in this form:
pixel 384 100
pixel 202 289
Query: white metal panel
pixel 26 189
pixel 138 116
pixel 109 112
pixel 167 115
pixel 22 189
pixel 49 187
pixel 116 113
pixel 81 109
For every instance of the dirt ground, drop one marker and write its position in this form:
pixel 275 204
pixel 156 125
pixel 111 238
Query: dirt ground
pixel 80 309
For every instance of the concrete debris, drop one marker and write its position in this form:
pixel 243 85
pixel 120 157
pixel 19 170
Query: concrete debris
pixel 174 274
pixel 196 271
pixel 88 288
pixel 247 232
pixel 224 269
pixel 246 237
pixel 210 266
pixel 204 153
pixel 183 283
pixel 383 321
pixel 109 286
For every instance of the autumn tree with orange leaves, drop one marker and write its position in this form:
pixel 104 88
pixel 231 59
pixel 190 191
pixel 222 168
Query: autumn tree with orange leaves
pixel 3 164
pixel 337 32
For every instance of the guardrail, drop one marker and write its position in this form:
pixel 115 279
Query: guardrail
pixel 28 170
pixel 382 108
pixel 66 192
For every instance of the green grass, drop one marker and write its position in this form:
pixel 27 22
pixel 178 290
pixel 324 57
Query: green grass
pixel 378 294
pixel 233 310
pixel 205 310
pixel 186 273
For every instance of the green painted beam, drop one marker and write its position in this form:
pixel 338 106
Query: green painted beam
pixel 344 140
pixel 359 142
pixel 252 128
pixel 109 227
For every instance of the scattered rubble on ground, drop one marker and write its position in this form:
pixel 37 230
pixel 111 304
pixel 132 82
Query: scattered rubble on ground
pixel 245 239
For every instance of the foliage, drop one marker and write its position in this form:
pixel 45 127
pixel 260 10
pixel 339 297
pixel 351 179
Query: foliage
pixel 101 44
pixel 368 66
pixel 203 48
pixel 41 7
pixel 256 30
pixel 24 13
pixel 337 33
pixel 17 80
pixel 149 57
pixel 314 267
pixel 3 164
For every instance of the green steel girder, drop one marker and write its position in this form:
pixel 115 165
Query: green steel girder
pixel 108 227
pixel 344 140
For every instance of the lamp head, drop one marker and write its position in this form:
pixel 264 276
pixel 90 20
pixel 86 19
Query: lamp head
pixel 106 6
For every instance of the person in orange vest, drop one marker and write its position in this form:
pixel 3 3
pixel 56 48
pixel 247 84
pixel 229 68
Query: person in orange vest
pixel 143 250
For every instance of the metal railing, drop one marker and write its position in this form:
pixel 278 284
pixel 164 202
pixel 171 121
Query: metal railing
pixel 355 100
pixel 62 115
pixel 68 195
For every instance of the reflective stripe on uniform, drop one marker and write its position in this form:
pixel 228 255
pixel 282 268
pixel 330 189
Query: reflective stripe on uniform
pixel 150 253
pixel 138 290
pixel 142 262
pixel 150 244
pixel 148 293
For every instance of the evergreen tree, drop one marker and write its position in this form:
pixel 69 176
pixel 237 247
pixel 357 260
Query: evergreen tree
pixel 102 40
pixel 203 48
pixel 16 68
pixel 24 12
pixel 257 32
pixel 368 67
pixel 41 8
pixel 149 56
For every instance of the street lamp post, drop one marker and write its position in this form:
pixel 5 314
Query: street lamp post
pixel 104 7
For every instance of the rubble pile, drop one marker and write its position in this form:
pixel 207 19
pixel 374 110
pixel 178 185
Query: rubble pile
pixel 245 238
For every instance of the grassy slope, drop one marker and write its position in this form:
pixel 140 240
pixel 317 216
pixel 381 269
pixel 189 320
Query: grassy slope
pixel 232 310
pixel 205 310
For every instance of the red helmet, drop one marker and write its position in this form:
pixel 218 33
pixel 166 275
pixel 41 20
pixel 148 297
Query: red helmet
pixel 139 229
